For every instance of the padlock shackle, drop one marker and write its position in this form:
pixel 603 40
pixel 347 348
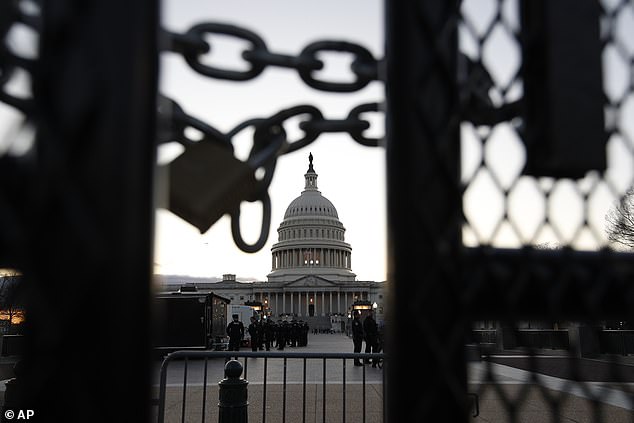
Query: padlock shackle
pixel 264 231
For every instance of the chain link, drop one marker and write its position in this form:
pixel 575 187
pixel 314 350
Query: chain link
pixel 173 122
pixel 183 43
pixel 193 57
pixel 236 232
pixel 352 124
pixel 172 128
pixel 280 117
pixel 364 66
pixel 258 57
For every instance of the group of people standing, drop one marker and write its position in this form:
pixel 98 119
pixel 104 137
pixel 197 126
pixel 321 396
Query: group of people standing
pixel 265 333
pixel 367 331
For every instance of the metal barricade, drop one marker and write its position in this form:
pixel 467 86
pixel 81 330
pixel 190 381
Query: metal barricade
pixel 321 371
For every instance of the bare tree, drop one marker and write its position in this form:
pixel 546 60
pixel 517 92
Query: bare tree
pixel 620 221
pixel 10 301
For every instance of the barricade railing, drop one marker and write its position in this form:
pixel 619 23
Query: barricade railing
pixel 207 357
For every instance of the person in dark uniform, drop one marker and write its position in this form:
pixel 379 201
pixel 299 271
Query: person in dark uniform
pixel 294 333
pixel 275 336
pixel 357 336
pixel 267 333
pixel 305 330
pixel 370 329
pixel 281 335
pixel 260 323
pixel 300 333
pixel 235 331
pixel 254 332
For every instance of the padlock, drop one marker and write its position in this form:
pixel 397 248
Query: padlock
pixel 207 181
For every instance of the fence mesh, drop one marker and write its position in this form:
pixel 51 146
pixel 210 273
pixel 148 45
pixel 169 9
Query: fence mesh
pixel 553 349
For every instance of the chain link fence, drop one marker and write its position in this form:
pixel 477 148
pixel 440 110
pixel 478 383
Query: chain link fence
pixel 523 210
pixel 562 361
pixel 521 251
pixel 510 245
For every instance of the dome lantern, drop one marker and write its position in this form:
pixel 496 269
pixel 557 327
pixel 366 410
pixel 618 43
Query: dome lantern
pixel 310 175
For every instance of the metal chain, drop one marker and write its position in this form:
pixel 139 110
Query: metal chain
pixel 192 45
pixel 269 143
pixel 172 128
pixel 173 121
pixel 270 140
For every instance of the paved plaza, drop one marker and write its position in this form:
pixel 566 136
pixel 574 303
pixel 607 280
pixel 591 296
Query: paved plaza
pixel 576 401
pixel 299 402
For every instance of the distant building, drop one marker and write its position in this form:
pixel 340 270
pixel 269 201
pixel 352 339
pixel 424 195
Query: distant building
pixel 311 264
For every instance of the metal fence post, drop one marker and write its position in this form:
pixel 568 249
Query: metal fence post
pixel 232 393
pixel 424 213
pixel 91 212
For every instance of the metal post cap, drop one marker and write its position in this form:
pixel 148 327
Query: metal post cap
pixel 233 369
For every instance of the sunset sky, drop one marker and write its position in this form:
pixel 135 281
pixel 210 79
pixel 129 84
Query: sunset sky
pixel 351 176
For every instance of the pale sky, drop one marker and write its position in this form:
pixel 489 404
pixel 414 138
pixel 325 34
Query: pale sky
pixel 351 176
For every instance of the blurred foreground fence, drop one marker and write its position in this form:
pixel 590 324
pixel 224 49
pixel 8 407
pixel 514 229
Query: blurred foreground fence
pixel 510 140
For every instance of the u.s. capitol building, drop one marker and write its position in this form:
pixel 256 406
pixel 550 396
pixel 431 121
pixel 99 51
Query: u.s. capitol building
pixel 311 265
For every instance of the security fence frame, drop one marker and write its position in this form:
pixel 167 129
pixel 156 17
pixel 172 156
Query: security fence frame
pixel 443 284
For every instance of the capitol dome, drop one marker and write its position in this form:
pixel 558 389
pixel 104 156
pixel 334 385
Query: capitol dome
pixel 313 203
pixel 311 239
